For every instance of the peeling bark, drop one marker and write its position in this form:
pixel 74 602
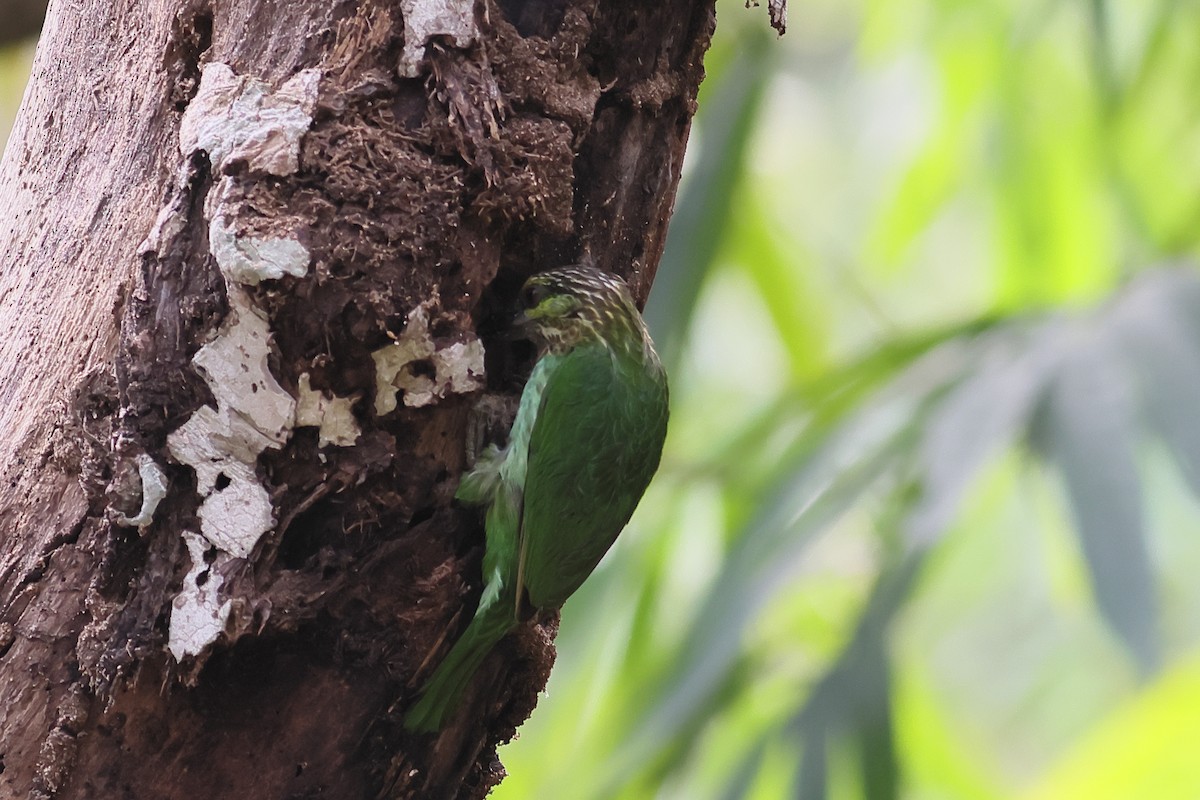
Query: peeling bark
pixel 255 255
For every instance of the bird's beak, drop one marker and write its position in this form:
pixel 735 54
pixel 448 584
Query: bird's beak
pixel 519 328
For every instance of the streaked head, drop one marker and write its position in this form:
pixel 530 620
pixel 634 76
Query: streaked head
pixel 565 306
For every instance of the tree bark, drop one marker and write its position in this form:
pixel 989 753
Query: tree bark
pixel 254 257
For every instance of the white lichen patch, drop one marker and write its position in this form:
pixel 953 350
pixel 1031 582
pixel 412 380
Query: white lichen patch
pixel 223 444
pixel 415 365
pixel 210 442
pixel 240 118
pixel 235 367
pixel 235 517
pixel 197 614
pixel 328 412
pixel 237 120
pixel 423 19
pixel 249 259
pixel 222 448
pixel 154 489
pixel 459 368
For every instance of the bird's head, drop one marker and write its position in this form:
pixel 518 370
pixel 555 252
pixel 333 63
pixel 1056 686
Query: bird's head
pixel 564 307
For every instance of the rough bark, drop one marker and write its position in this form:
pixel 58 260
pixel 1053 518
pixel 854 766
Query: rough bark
pixel 227 556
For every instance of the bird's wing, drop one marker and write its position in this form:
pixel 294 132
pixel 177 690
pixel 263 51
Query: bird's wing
pixel 595 444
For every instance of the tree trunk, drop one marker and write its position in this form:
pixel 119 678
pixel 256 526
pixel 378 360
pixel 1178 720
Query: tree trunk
pixel 255 256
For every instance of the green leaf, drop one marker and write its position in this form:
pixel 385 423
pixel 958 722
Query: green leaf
pixel 781 270
pixel 854 697
pixel 740 784
pixel 812 775
pixel 1087 428
pixel 825 402
pixel 976 419
pixel 1158 324
pixel 1144 749
pixel 15 63
pixel 813 494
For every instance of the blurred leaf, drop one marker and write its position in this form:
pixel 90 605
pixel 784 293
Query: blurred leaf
pixel 977 418
pixel 824 402
pixel 706 203
pixel 1155 136
pixel 743 778
pixel 796 308
pixel 825 471
pixel 969 61
pixel 812 776
pixel 854 697
pixel 1086 427
pixel 936 753
pixel 876 740
pixel 812 494
pixel 844 388
pixel 1145 749
pixel 924 190
pixel 15 62
pixel 1158 322
pixel 1102 55
pixel 1055 219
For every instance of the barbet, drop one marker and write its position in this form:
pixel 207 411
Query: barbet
pixel 586 440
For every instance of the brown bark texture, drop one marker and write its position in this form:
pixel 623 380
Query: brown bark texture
pixel 254 260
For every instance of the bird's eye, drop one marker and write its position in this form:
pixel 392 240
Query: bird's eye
pixel 533 295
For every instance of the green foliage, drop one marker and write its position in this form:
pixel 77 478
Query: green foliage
pixel 14 67
pixel 925 525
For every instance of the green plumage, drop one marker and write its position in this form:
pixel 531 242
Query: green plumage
pixel 586 440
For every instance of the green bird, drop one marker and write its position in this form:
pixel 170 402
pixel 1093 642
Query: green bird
pixel 587 438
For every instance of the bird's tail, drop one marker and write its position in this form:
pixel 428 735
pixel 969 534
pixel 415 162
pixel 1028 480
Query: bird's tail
pixel 442 692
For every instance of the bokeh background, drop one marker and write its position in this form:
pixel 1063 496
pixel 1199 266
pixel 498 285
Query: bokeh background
pixel 927 521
